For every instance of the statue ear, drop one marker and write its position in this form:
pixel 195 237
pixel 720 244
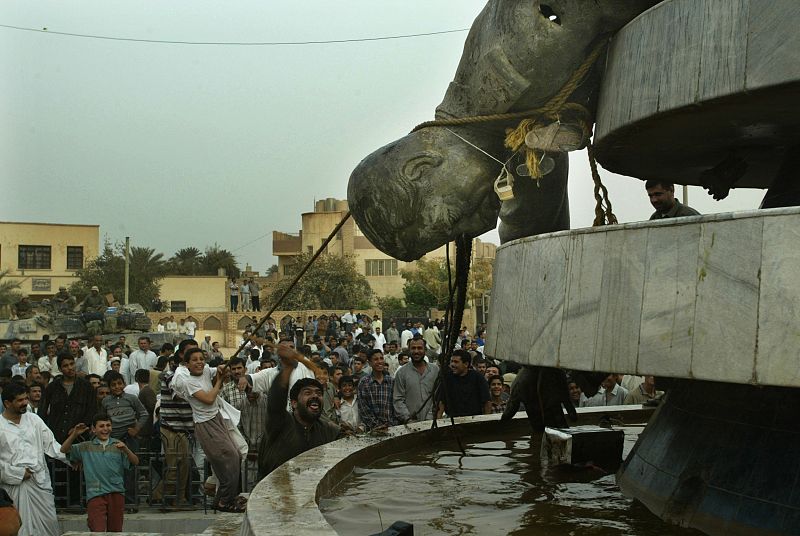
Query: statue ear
pixel 416 166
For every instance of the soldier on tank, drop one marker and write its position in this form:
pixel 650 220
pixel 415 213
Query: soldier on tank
pixel 63 300
pixel 93 303
pixel 23 309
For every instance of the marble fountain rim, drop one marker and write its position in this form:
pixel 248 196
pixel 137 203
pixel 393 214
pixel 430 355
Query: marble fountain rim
pixel 666 222
pixel 286 500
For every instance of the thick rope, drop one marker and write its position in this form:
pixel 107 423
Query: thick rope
pixel 603 215
pixel 296 279
pixel 550 109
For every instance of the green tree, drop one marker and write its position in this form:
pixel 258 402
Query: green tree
pixel 215 258
pixel 186 261
pixel 389 303
pixel 271 270
pixel 332 282
pixel 107 272
pixel 427 283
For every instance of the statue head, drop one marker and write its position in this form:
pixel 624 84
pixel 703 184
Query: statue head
pixel 423 190
pixel 419 192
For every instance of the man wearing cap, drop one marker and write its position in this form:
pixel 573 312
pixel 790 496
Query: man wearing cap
pixel 93 303
pixel 289 434
pixel 206 345
pixel 63 301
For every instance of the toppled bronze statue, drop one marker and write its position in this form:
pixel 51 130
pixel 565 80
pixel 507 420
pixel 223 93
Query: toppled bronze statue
pixel 419 192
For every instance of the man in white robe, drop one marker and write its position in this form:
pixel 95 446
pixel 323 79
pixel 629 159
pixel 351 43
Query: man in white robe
pixel 24 441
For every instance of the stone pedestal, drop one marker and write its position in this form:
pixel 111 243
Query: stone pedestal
pixel 690 82
pixel 709 297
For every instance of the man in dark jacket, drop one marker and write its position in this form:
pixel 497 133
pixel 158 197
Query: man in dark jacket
pixel 68 400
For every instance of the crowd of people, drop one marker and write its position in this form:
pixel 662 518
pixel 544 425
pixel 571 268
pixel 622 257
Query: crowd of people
pixel 102 403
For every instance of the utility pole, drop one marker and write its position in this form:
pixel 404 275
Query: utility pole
pixel 127 268
pixel 685 194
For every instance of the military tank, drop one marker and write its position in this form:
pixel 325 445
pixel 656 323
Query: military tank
pixel 125 320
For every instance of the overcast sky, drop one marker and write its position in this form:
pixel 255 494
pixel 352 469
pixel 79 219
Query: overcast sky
pixel 191 145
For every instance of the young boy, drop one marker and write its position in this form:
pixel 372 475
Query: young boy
pixel 330 402
pixel 105 461
pixel 348 410
pixel 22 365
pixel 128 417
pixel 216 431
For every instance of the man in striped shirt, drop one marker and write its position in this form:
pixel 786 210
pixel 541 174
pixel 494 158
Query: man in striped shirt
pixel 175 418
pixel 375 395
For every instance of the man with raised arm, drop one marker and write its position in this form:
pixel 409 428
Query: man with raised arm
pixel 291 433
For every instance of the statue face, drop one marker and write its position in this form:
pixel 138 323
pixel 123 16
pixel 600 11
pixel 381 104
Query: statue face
pixel 423 190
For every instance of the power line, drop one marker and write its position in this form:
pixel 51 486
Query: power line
pixel 232 43
pixel 251 242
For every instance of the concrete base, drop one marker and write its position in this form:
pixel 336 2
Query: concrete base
pixel 721 458
pixel 153 522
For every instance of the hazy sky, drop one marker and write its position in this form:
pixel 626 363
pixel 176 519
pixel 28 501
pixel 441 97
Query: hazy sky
pixel 191 145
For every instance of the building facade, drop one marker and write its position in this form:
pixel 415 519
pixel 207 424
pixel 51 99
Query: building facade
pixel 44 256
pixel 381 270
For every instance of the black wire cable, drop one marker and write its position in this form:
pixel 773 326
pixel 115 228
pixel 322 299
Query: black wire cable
pixel 232 43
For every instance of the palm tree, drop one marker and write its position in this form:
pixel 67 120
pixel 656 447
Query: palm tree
pixel 186 261
pixel 216 257
pixel 146 263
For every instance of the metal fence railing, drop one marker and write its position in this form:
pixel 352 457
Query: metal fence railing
pixel 151 474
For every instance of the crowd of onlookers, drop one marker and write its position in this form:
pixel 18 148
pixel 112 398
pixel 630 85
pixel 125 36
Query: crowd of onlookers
pixel 189 405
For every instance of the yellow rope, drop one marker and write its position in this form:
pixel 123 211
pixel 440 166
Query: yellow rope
pixel 515 138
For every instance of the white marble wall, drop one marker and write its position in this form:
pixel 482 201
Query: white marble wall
pixel 711 297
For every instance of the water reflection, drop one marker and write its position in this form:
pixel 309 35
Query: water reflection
pixel 499 487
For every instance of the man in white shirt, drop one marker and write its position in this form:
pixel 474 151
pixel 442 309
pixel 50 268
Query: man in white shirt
pixel 406 336
pixel 610 394
pixel 24 441
pixel 172 326
pixel 380 339
pixel 96 357
pixel 143 358
pixel 191 327
pixel 348 319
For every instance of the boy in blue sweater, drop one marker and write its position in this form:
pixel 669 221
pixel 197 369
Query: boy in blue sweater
pixel 105 461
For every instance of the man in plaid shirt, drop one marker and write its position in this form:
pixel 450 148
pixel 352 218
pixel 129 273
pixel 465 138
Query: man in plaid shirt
pixel 375 395
pixel 230 389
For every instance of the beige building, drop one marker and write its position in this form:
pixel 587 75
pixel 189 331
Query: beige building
pixel 188 293
pixel 381 270
pixel 43 256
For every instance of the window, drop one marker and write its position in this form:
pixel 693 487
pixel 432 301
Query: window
pixel 176 306
pixel 34 257
pixel 380 267
pixel 74 257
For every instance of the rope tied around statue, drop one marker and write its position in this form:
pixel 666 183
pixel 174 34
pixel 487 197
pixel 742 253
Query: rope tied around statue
pixel 532 136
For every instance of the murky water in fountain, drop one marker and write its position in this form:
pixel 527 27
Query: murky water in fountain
pixel 499 487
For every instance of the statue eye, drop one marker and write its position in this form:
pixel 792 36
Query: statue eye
pixel 417 166
pixel 548 13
